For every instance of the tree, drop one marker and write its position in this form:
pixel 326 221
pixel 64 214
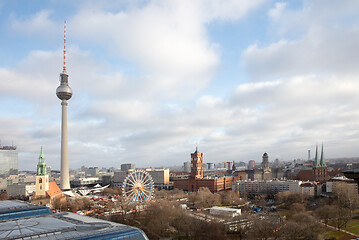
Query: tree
pixel 345 195
pixel 296 208
pixel 326 213
pixel 288 198
pixel 230 198
pixel 295 231
pixel 265 228
pixel 301 226
pixel 4 196
pixel 204 198
pixel 341 217
pixel 87 204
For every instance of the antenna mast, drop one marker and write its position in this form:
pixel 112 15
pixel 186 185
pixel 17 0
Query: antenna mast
pixel 64 68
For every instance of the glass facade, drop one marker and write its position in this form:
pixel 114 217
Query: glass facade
pixel 8 161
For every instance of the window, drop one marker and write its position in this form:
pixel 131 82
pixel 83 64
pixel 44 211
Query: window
pixel 40 180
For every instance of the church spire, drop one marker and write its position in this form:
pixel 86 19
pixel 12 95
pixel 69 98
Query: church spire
pixel 316 160
pixel 41 166
pixel 322 161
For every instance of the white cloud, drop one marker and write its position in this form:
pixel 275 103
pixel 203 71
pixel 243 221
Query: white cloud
pixel 166 39
pixel 276 12
pixel 36 25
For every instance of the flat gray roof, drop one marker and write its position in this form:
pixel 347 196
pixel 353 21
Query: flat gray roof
pixel 60 225
pixel 67 226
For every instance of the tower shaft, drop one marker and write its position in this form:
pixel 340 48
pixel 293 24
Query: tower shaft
pixel 65 181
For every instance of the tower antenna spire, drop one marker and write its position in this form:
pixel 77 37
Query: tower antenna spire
pixel 64 68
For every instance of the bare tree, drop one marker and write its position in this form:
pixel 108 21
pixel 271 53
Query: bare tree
pixel 326 213
pixel 4 196
pixel 230 198
pixel 346 195
pixel 341 217
pixel 265 228
pixel 204 198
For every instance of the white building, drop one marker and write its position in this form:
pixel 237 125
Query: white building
pixel 85 181
pixel 159 176
pixel 335 182
pixel 224 211
pixel 266 187
pixel 21 189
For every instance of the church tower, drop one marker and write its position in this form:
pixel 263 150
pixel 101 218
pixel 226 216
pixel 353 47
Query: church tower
pixel 196 162
pixel 42 179
pixel 320 170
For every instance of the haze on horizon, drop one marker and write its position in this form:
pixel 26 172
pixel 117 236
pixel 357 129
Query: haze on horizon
pixel 152 79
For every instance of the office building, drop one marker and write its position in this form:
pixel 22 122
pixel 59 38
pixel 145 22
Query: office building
pixel 92 171
pixel 8 161
pixel 21 189
pixel 271 187
pixel 159 176
pixel 187 166
pixel 127 166
pixel 251 164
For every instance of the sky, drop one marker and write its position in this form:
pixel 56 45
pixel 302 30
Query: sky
pixel 152 80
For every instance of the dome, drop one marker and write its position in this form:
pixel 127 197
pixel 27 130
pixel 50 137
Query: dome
pixel 64 92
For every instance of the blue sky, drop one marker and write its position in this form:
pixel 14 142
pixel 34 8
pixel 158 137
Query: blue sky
pixel 153 79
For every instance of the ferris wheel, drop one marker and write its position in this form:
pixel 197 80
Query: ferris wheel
pixel 137 187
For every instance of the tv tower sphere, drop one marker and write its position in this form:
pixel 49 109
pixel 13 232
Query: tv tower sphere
pixel 64 92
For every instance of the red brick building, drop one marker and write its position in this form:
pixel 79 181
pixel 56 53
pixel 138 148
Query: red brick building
pixel 319 171
pixel 196 180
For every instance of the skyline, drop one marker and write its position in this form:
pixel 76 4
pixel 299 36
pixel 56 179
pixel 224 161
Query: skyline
pixel 153 79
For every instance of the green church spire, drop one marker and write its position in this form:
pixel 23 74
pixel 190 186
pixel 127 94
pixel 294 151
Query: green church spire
pixel 41 166
pixel 322 161
pixel 316 160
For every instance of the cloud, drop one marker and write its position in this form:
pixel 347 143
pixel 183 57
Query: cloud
pixel 35 25
pixel 322 48
pixel 168 41
pixel 276 13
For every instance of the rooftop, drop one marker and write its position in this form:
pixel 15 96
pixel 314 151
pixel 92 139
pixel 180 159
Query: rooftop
pixel 7 147
pixel 60 225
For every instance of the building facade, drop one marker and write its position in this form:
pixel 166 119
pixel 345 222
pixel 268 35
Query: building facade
pixel 251 164
pixel 187 166
pixel 21 189
pixel 159 176
pixel 127 166
pixel 267 187
pixel 92 171
pixel 8 161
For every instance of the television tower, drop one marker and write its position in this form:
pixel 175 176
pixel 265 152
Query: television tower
pixel 64 93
